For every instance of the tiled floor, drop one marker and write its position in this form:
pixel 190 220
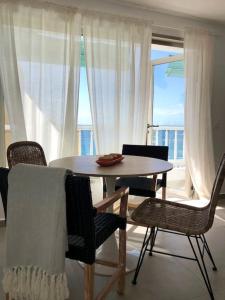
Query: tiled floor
pixel 161 277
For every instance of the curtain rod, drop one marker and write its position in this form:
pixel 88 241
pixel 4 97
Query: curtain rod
pixel 136 19
pixel 117 16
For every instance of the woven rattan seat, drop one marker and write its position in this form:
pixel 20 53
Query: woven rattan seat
pixel 173 216
pixel 27 152
pixel 193 222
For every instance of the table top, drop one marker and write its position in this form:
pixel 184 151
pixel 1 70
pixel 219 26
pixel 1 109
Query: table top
pixel 130 166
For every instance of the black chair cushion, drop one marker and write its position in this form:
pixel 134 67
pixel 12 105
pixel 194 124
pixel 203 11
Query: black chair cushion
pixel 4 187
pixel 140 186
pixel 105 225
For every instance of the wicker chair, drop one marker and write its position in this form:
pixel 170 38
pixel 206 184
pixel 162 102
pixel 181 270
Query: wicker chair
pixel 27 152
pixel 88 228
pixel 143 186
pixel 192 222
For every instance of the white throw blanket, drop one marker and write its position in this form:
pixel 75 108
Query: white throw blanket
pixel 36 235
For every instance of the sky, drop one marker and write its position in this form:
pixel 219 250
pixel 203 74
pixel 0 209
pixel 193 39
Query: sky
pixel 168 93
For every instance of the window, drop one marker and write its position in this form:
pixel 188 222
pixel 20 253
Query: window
pixel 168 95
pixel 168 99
pixel 85 130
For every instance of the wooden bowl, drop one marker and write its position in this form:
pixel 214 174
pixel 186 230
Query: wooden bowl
pixel 109 162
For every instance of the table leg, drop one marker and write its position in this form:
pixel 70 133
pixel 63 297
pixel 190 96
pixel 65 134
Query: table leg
pixel 109 250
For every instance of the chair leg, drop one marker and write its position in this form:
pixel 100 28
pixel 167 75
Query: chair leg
pixel 163 193
pixel 122 261
pixel 89 282
pixel 202 266
pixel 154 232
pixel 142 253
pixel 206 246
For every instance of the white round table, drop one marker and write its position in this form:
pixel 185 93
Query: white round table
pixel 130 166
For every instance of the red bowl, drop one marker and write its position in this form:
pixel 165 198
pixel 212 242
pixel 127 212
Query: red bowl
pixel 110 162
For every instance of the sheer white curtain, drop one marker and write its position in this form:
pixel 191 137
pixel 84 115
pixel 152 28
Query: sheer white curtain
pixel 118 70
pixel 40 65
pixel 2 128
pixel 198 49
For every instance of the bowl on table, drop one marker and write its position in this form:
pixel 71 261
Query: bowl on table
pixel 110 159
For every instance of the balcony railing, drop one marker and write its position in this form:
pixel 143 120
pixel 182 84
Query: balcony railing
pixel 164 135
pixel 174 138
pixel 86 145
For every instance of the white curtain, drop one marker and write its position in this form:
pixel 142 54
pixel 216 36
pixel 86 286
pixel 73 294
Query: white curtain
pixel 40 65
pixel 2 128
pixel 118 71
pixel 198 49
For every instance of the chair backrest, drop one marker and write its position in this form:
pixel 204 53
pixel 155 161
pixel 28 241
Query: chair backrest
pixel 27 152
pixel 80 217
pixel 4 187
pixel 217 186
pixel 160 152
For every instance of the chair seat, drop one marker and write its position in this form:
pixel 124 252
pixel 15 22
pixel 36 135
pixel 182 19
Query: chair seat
pixel 140 186
pixel 173 216
pixel 105 225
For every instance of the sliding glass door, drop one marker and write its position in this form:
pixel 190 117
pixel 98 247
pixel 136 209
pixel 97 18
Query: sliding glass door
pixel 168 97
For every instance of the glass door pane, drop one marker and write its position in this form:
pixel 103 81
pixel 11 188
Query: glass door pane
pixel 168 108
pixel 168 86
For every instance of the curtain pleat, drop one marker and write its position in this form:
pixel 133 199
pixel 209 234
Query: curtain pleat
pixel 2 128
pixel 118 58
pixel 198 50
pixel 40 65
pixel 40 70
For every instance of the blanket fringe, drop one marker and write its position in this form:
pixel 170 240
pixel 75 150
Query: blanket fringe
pixel 33 283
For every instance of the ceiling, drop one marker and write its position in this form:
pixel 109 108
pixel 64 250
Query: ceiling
pixel 211 10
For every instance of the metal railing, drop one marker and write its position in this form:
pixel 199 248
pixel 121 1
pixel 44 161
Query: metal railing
pixel 86 145
pixel 163 135
pixel 172 136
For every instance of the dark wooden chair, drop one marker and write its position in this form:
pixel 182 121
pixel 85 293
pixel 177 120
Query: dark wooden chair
pixel 88 228
pixel 27 152
pixel 4 187
pixel 144 186
pixel 185 220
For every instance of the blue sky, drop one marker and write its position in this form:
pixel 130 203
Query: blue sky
pixel 84 113
pixel 169 93
pixel 168 100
